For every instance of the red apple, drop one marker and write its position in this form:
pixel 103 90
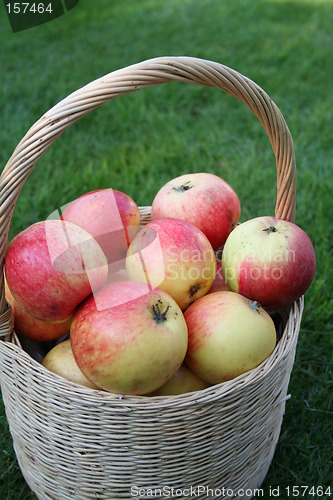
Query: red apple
pixel 219 283
pixel 228 335
pixel 110 216
pixel 176 257
pixel 60 360
pixel 205 200
pixel 183 381
pixel 269 260
pixel 128 339
pixel 33 328
pixel 51 267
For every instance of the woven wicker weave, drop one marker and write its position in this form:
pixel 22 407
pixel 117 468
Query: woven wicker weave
pixel 73 442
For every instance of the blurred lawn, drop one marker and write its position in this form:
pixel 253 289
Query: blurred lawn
pixel 136 143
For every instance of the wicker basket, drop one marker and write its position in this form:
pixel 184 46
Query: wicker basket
pixel 74 442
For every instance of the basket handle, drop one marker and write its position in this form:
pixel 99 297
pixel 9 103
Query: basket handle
pixel 144 74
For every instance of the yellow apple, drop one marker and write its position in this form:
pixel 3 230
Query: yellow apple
pixel 269 260
pixel 228 335
pixel 184 380
pixel 174 256
pixel 60 360
pixel 129 339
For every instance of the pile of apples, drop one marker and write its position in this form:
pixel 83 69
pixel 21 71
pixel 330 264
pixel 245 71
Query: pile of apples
pixel 174 306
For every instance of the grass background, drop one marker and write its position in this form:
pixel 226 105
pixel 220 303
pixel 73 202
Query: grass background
pixel 138 142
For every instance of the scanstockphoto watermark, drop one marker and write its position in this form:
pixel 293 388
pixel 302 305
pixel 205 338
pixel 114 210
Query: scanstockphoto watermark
pixel 186 255
pixel 265 265
pixel 182 264
pixel 195 492
pixel 268 255
pixel 25 15
pixel 300 491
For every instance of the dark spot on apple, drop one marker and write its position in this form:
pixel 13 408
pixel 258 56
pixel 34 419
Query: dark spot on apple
pixel 158 315
pixel 194 289
pixel 270 229
pixel 184 187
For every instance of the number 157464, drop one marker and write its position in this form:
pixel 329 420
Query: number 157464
pixel 28 7
pixel 314 491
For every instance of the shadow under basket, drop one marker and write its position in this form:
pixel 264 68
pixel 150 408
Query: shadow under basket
pixel 75 442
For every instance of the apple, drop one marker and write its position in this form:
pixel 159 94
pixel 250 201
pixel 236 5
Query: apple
pixel 129 339
pixel 60 360
pixel 33 328
pixel 110 216
pixel 183 381
pixel 175 256
pixel 120 275
pixel 51 267
pixel 204 199
pixel 269 260
pixel 227 335
pixel 219 283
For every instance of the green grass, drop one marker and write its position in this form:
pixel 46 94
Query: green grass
pixel 138 142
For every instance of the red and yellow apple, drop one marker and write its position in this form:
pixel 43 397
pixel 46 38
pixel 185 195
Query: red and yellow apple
pixel 129 339
pixel 227 335
pixel 269 260
pixel 175 256
pixel 204 199
pixel 51 267
pixel 183 381
pixel 110 216
pixel 33 328
pixel 60 360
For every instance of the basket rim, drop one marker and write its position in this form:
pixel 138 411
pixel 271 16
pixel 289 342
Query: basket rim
pixel 215 392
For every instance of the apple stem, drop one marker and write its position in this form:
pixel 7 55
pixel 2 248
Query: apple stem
pixel 159 316
pixel 270 229
pixel 255 305
pixel 184 187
